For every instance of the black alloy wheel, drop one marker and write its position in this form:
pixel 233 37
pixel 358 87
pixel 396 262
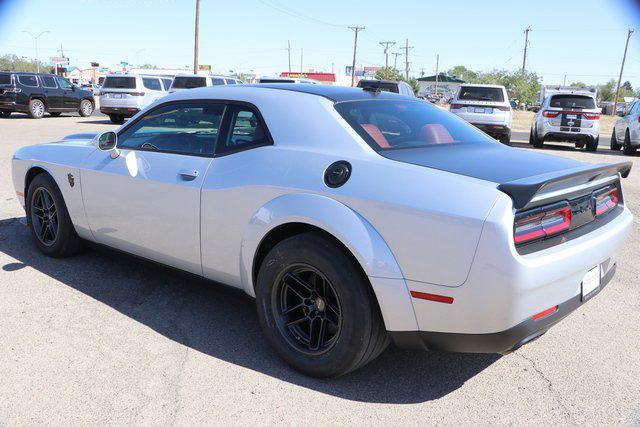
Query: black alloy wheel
pixel 308 309
pixel 44 217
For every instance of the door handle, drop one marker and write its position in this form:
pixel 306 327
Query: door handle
pixel 188 175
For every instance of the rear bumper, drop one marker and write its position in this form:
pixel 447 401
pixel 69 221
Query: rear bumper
pixel 493 129
pixel 498 342
pixel 13 106
pixel 560 133
pixel 121 111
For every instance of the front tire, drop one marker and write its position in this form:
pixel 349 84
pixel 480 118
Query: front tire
pixel 614 142
pixel 117 119
pixel 48 219
pixel 36 109
pixel 317 309
pixel 86 108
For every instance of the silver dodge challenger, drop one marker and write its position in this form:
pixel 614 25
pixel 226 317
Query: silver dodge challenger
pixel 353 217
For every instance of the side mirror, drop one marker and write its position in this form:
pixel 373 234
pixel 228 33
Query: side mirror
pixel 108 141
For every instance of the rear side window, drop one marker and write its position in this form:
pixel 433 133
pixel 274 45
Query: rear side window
pixel 151 83
pixel 572 101
pixel 117 82
pixel 5 79
pixel 276 81
pixel 28 80
pixel 246 131
pixel 216 81
pixel 479 93
pixel 230 81
pixel 389 125
pixel 167 83
pixel 189 82
pixel 49 81
pixel 185 128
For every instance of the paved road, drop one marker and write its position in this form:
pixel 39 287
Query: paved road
pixel 104 338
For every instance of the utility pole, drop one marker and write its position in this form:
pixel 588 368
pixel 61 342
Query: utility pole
pixel 386 57
pixel 395 59
pixel 355 49
pixel 289 52
pixel 526 43
pixel 406 58
pixel 35 38
pixel 565 80
pixel 437 64
pixel 624 58
pixel 195 48
pixel 301 56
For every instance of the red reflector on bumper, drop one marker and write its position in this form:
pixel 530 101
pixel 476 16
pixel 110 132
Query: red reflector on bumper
pixel 432 297
pixel 545 313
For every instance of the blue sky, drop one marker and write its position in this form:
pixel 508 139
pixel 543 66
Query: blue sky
pixel 253 34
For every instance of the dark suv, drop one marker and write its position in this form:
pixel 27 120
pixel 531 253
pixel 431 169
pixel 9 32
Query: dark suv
pixel 36 94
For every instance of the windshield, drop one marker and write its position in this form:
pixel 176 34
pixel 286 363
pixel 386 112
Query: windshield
pixel 388 125
pixel 481 93
pixel 572 101
pixel 188 82
pixel 120 82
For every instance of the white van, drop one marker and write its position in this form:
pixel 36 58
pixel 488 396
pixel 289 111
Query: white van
pixel 123 95
pixel 191 81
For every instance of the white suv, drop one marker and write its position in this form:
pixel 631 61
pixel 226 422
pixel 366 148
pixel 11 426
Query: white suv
pixel 123 95
pixel 191 81
pixel 567 116
pixel 486 107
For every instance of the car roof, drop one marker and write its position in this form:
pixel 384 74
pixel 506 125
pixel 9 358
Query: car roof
pixel 333 93
pixel 480 85
pixel 377 81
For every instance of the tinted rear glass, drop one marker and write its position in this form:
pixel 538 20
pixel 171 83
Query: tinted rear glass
pixel 478 93
pixel 572 101
pixel 383 86
pixel 120 83
pixel 388 125
pixel 151 83
pixel 5 79
pixel 189 82
pixel 28 80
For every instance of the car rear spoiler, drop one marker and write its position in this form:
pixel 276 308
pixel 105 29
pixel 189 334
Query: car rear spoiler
pixel 523 191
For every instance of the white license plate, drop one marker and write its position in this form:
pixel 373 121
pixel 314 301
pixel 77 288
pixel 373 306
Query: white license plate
pixel 479 110
pixel 572 116
pixel 590 282
pixel 116 95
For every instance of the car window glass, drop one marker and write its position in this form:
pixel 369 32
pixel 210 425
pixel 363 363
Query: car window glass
pixel 572 101
pixel 189 82
pixel 64 83
pixel 120 82
pixel 151 83
pixel 167 83
pixel 28 80
pixel 5 79
pixel 481 93
pixel 230 81
pixel 216 81
pixel 179 128
pixel 246 130
pixel 48 81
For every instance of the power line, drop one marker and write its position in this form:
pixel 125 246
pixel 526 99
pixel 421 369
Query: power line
pixel 295 14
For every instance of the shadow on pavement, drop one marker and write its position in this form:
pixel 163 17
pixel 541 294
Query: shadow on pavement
pixel 520 140
pixel 221 322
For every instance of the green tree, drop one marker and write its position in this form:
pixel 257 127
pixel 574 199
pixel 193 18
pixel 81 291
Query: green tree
pixel 462 72
pixel 12 62
pixel 149 67
pixel 606 91
pixel 578 84
pixel 627 86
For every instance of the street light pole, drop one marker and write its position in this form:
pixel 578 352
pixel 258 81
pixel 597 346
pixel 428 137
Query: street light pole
pixel 195 47
pixel 36 40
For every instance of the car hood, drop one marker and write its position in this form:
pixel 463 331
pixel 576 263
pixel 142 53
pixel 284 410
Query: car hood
pixel 487 161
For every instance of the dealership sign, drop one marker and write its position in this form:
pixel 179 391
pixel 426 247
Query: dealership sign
pixel 59 60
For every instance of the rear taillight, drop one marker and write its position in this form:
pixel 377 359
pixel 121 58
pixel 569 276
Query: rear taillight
pixel 136 93
pixel 503 108
pixel 456 106
pixel 542 222
pixel 605 201
pixel 547 113
pixel 591 116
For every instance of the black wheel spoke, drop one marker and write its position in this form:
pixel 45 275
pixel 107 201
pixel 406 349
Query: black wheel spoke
pixel 292 309
pixel 44 216
pixel 297 321
pixel 297 285
pixel 316 333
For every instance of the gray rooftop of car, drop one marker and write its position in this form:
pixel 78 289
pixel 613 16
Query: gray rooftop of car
pixel 333 93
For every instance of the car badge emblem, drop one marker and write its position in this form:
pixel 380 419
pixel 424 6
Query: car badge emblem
pixel 570 123
pixel 72 181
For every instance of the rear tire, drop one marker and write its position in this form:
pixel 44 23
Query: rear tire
pixel 86 108
pixel 312 273
pixel 505 139
pixel 36 109
pixel 614 142
pixel 627 148
pixel 537 141
pixel 48 219
pixel 117 119
pixel 592 144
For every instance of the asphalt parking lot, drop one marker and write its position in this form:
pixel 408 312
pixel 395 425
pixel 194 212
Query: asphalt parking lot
pixel 105 338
